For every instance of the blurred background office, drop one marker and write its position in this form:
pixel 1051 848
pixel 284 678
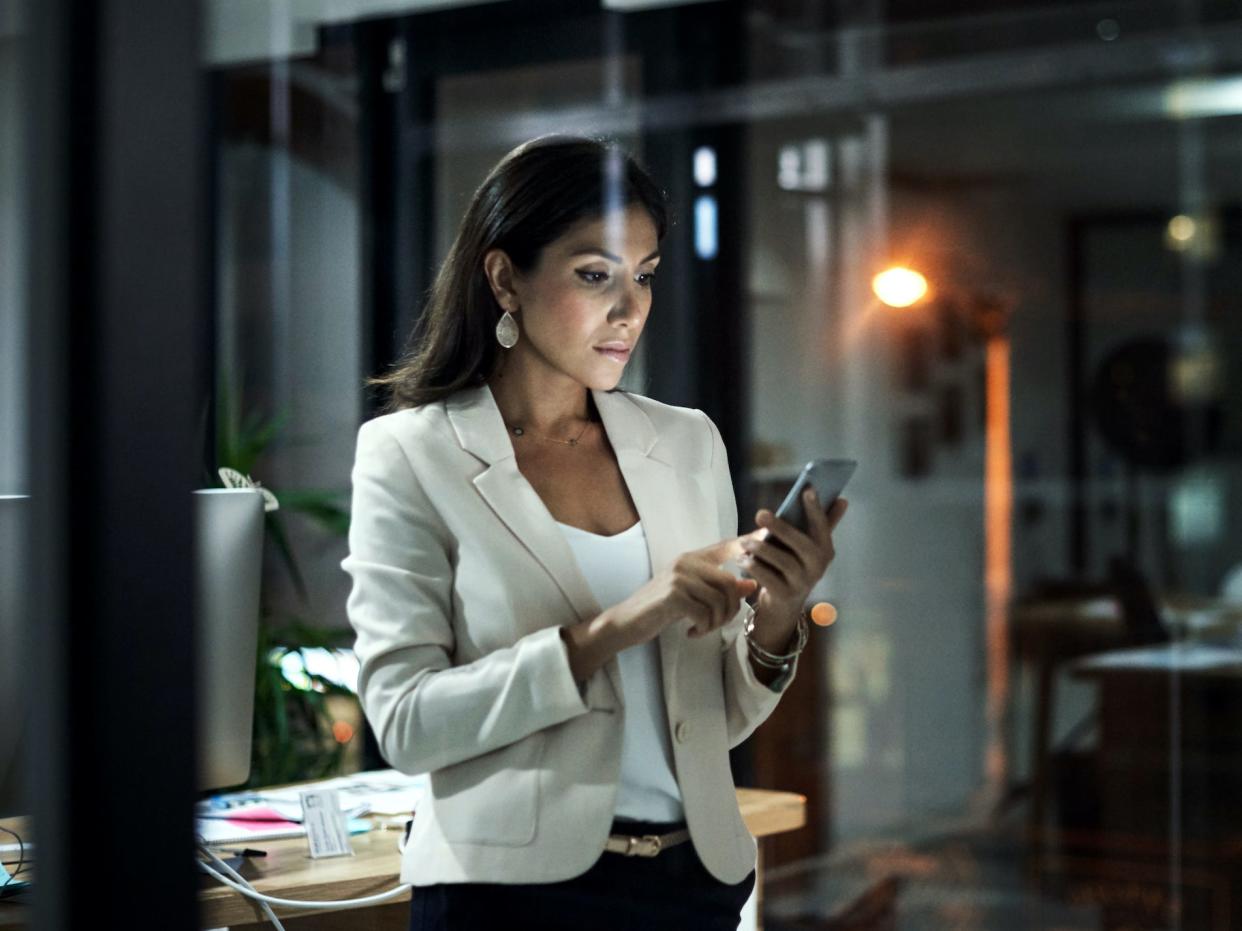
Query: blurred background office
pixel 992 250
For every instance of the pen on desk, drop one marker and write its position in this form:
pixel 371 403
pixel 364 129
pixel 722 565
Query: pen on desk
pixel 245 852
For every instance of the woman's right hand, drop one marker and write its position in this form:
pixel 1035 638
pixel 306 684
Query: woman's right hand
pixel 693 587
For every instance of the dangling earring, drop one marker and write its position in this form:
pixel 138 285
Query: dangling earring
pixel 507 331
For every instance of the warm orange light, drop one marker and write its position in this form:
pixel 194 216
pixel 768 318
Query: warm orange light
pixel 823 614
pixel 342 731
pixel 998 552
pixel 899 286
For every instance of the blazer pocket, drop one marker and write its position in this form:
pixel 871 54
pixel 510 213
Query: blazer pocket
pixel 491 799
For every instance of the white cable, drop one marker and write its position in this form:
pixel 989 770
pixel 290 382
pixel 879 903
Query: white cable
pixel 253 893
pixel 267 909
pixel 295 903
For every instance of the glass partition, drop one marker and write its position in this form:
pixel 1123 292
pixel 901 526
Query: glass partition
pixel 14 458
pixel 1025 715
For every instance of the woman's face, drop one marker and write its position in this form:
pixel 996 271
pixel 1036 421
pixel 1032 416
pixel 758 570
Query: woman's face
pixel 591 287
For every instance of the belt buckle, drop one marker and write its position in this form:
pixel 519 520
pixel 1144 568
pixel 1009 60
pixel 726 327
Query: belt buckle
pixel 652 841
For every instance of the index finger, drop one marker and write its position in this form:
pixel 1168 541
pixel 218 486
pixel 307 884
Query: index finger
pixel 723 550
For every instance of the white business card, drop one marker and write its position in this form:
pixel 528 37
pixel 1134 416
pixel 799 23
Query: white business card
pixel 324 821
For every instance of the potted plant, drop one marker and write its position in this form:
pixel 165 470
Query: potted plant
pixel 298 731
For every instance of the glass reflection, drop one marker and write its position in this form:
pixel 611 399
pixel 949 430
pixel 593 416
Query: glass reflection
pixel 1024 716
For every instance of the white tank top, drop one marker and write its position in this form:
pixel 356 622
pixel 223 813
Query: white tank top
pixel 615 567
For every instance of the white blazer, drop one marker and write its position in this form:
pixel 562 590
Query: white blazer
pixel 461 581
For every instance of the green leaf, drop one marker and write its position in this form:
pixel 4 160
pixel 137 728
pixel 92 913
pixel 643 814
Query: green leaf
pixel 295 631
pixel 327 508
pixel 276 530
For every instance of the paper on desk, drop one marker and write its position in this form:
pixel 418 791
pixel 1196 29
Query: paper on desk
pixel 383 791
pixel 242 831
pixel 272 808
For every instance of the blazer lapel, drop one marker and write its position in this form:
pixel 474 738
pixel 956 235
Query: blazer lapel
pixel 476 419
pixel 660 508
pixel 481 431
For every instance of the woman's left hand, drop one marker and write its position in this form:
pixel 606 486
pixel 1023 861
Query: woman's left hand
pixel 786 562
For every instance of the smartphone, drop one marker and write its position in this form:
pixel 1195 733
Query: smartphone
pixel 827 476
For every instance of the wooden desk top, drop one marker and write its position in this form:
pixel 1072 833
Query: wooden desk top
pixel 287 871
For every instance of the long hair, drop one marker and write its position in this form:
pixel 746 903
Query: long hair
pixel 531 197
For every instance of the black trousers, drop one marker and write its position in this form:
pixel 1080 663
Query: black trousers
pixel 669 892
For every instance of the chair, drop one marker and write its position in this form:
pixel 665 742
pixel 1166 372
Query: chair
pixel 1138 607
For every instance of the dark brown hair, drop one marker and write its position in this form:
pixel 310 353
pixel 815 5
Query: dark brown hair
pixel 530 198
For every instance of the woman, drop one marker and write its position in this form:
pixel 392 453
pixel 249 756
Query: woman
pixel 544 624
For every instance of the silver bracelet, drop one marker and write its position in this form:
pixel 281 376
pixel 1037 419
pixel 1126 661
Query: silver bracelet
pixel 771 660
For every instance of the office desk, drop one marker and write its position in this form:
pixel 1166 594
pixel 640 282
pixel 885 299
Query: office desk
pixel 1165 847
pixel 1049 634
pixel 287 872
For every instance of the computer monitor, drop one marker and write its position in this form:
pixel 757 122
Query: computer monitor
pixel 228 556
pixel 228 541
pixel 14 709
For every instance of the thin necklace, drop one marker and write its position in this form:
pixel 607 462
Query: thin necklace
pixel 520 431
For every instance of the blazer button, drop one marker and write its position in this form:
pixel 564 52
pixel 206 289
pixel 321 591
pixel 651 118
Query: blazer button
pixel 682 731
